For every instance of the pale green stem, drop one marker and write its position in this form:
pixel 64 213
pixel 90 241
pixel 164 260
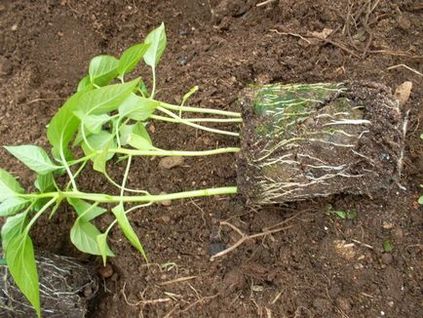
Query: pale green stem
pixel 153 90
pixel 180 153
pixel 84 137
pixel 198 120
pixel 42 210
pixel 84 163
pixel 160 152
pixel 113 182
pixel 194 125
pixel 200 110
pixel 68 170
pixel 104 198
pixel 125 176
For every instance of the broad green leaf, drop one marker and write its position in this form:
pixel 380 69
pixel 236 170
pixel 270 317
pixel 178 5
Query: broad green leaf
pixel 44 182
pixel 105 99
pixel 157 41
pixel 12 228
pixel 103 69
pixel 139 138
pixel 63 126
pixel 99 142
pixel 84 236
pixel 138 108
pixel 21 263
pixel 139 142
pixel 102 246
pixel 140 130
pixel 127 229
pixel 33 157
pixel 9 187
pixel 421 200
pixel 130 58
pixel 99 161
pixel 85 84
pixel 124 132
pixel 93 123
pixel 12 206
pixel 86 212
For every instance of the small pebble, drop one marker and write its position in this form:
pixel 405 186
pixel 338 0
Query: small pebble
pixel 14 27
pixel 165 219
pixel 404 23
pixel 165 202
pixel 88 292
pixel 387 258
pixel 105 271
pixel 171 162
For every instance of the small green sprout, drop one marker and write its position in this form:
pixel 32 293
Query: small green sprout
pixel 343 215
pixel 387 246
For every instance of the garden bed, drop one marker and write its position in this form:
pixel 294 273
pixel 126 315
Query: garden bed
pixel 320 262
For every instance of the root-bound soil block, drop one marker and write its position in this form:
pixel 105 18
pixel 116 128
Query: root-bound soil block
pixel 65 287
pixel 312 140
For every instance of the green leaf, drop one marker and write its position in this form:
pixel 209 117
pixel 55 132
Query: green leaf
pixel 84 236
pixel 143 88
pixel 421 200
pixel 340 214
pixel 93 123
pixel 99 142
pixel 102 246
pixel 33 157
pixel 157 41
pixel 127 229
pixel 21 263
pixel 124 132
pixel 11 228
pixel 99 161
pixel 44 182
pixel 138 108
pixel 12 206
pixel 139 138
pixel 388 246
pixel 9 187
pixel 86 211
pixel 85 84
pixel 103 69
pixel 63 126
pixel 130 58
pixel 105 99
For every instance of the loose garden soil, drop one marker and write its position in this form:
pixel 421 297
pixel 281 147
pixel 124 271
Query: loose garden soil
pixel 319 265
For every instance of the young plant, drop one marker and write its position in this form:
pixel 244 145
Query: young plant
pixel 104 120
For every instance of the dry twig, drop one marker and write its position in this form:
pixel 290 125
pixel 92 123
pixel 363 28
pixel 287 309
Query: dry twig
pixel 244 238
pixel 405 66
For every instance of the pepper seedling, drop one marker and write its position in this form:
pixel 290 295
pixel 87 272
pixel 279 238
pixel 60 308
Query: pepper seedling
pixel 104 119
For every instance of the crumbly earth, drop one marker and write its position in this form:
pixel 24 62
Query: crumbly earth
pixel 319 265
pixel 314 140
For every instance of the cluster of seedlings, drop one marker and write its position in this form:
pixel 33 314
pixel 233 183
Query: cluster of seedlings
pixel 297 142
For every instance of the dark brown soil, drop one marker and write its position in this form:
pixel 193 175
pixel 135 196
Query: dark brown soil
pixel 319 265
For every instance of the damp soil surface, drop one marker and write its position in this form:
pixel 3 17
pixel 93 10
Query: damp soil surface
pixel 319 262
